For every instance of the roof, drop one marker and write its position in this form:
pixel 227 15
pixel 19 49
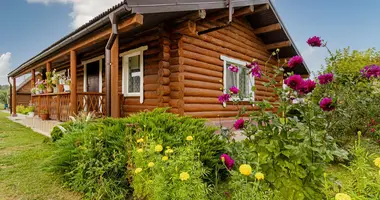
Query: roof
pixel 149 7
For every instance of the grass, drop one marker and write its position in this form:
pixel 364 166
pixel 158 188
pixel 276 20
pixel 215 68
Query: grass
pixel 23 154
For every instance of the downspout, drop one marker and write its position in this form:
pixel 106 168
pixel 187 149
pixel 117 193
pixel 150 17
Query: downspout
pixel 113 19
pixel 10 96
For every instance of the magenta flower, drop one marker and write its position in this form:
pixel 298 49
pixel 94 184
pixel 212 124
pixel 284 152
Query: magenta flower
pixel 314 41
pixel 371 71
pixel 295 60
pixel 239 124
pixel 327 104
pixel 224 98
pixel 256 71
pixel 325 78
pixel 234 90
pixel 227 160
pixel 294 81
pixel 306 86
pixel 252 65
pixel 233 68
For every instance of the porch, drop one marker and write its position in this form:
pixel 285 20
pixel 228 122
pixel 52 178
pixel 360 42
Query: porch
pixel 58 105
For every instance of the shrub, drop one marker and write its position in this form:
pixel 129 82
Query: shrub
pixel 24 110
pixel 58 131
pixel 93 158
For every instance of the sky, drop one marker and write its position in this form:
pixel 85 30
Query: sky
pixel 29 26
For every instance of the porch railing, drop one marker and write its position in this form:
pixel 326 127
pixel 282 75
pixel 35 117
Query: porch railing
pixel 58 104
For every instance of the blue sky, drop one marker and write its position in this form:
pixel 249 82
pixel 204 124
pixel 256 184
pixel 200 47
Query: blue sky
pixel 29 26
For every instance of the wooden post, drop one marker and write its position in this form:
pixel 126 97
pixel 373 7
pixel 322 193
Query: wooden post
pixel 58 107
pixel 115 102
pixel 73 86
pixel 33 81
pixel 14 98
pixel 48 67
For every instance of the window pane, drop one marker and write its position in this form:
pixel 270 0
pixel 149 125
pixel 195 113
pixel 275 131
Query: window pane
pixel 243 83
pixel 231 78
pixel 134 74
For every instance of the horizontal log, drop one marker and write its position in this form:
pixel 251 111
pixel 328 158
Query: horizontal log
pixel 136 101
pixel 176 94
pixel 278 45
pixel 215 107
pixel 153 71
pixel 151 79
pixel 164 72
pixel 207 58
pixel 200 77
pixel 198 92
pixel 173 110
pixel 202 84
pixel 201 100
pixel 151 87
pixel 163 90
pixel 176 86
pixel 264 93
pixel 267 29
pixel 151 95
pixel 176 103
pixel 176 68
pixel 204 65
pixel 186 27
pixel 177 77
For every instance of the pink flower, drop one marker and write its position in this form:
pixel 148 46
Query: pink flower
pixel 239 124
pixel 227 160
pixel 224 98
pixel 314 41
pixel 294 81
pixel 325 78
pixel 234 90
pixel 233 68
pixel 371 71
pixel 295 60
pixel 306 86
pixel 256 72
pixel 327 104
pixel 252 64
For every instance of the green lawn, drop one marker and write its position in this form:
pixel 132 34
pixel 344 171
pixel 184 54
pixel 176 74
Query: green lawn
pixel 22 157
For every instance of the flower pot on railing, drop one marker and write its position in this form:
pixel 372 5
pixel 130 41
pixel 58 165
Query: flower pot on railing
pixel 55 89
pixel 61 88
pixel 49 90
pixel 44 116
pixel 66 88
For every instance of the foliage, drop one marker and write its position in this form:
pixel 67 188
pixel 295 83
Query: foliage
pixel 347 62
pixel 24 110
pixel 3 96
pixel 365 178
pixel 177 176
pixel 58 131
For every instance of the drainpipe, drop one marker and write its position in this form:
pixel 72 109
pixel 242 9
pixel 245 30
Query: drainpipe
pixel 113 19
pixel 10 96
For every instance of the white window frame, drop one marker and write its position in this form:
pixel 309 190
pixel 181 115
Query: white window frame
pixel 125 73
pixel 251 79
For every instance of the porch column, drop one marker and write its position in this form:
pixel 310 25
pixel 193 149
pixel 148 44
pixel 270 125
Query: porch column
pixel 14 97
pixel 48 67
pixel 73 85
pixel 115 102
pixel 33 80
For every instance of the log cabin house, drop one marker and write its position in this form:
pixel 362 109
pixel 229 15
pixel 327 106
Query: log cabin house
pixel 143 54
pixel 23 91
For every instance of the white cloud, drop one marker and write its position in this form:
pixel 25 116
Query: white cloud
pixel 5 65
pixel 82 10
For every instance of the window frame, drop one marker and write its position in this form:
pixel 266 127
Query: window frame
pixel 240 64
pixel 125 72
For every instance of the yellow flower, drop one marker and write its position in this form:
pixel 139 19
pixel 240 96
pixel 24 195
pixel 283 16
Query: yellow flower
pixel 189 138
pixel 245 169
pixel 151 164
pixel 168 151
pixel 140 150
pixel 138 170
pixel 377 162
pixel 165 158
pixel 158 148
pixel 184 176
pixel 140 140
pixel 259 176
pixel 342 196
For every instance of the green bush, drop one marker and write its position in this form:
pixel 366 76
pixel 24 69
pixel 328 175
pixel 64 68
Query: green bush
pixel 58 131
pixel 24 110
pixel 94 158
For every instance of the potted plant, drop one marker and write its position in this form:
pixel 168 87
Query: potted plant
pixel 41 85
pixel 44 114
pixel 67 84
pixel 56 81
pixel 34 90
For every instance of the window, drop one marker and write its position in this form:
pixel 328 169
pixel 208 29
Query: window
pixel 133 73
pixel 241 79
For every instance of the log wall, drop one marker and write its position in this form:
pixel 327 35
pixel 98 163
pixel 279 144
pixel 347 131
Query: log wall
pixel 202 68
